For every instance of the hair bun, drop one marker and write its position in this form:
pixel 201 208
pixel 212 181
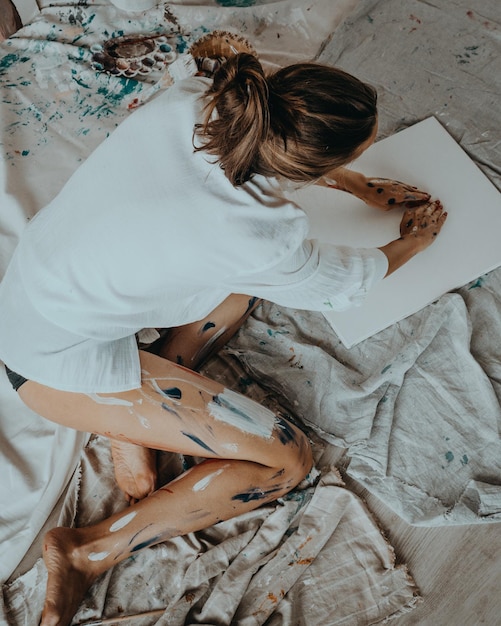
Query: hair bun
pixel 221 44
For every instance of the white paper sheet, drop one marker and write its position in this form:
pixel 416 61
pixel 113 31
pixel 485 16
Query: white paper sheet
pixel 468 246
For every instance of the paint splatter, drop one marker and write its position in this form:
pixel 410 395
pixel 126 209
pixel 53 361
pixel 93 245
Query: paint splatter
pixel 173 392
pixel 202 484
pixel 449 456
pixel 256 493
pixel 169 409
pixel 478 283
pixel 464 460
pixel 199 442
pixel 98 556
pixel 284 431
pixel 122 522
pixel 242 413
pixel 236 3
pixel 147 543
pixel 274 333
pixel 109 400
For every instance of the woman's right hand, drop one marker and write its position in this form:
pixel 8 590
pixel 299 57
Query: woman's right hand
pixel 419 227
pixel 423 222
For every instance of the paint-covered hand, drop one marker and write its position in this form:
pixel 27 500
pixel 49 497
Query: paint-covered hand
pixel 423 223
pixel 386 194
pixel 381 193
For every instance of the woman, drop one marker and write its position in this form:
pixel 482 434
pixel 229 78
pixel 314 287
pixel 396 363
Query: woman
pixel 177 221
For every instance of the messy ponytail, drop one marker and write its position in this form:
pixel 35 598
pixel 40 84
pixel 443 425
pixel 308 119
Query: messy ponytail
pixel 298 123
pixel 237 116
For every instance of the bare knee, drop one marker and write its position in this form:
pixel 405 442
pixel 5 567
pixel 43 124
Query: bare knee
pixel 297 456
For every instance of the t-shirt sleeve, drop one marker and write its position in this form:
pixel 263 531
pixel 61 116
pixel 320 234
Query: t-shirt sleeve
pixel 319 276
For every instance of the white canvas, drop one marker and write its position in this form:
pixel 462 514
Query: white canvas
pixel 424 155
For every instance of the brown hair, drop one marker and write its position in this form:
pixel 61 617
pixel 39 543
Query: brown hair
pixel 298 123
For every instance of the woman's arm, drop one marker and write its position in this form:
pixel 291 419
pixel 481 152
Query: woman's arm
pixel 418 229
pixel 382 193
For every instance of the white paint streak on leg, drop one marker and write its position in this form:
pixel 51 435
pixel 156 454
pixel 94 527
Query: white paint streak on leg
pixel 204 483
pixel 243 413
pixel 178 379
pixel 156 387
pixel 231 447
pixel 115 401
pixel 142 420
pixel 208 345
pixel 123 521
pixel 98 556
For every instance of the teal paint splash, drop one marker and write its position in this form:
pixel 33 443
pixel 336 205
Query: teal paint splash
pixel 9 60
pixel 449 457
pixel 274 333
pixel 236 3
pixel 385 369
pixel 478 283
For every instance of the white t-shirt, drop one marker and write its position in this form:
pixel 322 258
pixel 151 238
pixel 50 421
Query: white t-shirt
pixel 147 233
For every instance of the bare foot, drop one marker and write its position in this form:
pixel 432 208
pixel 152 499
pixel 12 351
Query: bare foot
pixel 135 469
pixel 66 583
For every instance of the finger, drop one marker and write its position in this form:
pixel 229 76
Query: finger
pixel 416 202
pixel 416 196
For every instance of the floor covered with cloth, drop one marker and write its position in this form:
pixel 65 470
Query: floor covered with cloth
pixel 400 518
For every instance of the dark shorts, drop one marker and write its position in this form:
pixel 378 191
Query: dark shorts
pixel 16 380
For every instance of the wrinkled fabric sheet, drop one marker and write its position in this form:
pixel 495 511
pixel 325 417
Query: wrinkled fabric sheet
pixel 417 407
pixel 314 558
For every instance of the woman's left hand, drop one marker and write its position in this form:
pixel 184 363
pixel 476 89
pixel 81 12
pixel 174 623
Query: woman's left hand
pixel 382 193
pixel 386 194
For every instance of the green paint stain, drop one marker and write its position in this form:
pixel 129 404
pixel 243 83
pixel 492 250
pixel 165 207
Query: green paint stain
pixel 78 80
pixel 478 283
pixel 25 152
pixel 8 61
pixel 449 457
pixel 236 3
pixel 273 333
pixel 464 460
pixel 385 369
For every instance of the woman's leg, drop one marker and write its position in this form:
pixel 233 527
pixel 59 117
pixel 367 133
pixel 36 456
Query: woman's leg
pixel 193 344
pixel 253 456
pixel 189 345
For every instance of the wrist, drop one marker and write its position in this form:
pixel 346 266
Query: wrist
pixel 400 251
pixel 347 180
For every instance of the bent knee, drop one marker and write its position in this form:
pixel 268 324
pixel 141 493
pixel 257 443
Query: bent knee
pixel 297 454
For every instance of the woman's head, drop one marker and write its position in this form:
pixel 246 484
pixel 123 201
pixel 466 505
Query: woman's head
pixel 298 123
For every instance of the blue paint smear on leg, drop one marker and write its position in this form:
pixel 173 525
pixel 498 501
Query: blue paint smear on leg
pixel 198 441
pixel 169 409
pixel 145 544
pixel 173 392
pixel 225 404
pixel 284 430
pixel 139 532
pixel 208 326
pixel 254 494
